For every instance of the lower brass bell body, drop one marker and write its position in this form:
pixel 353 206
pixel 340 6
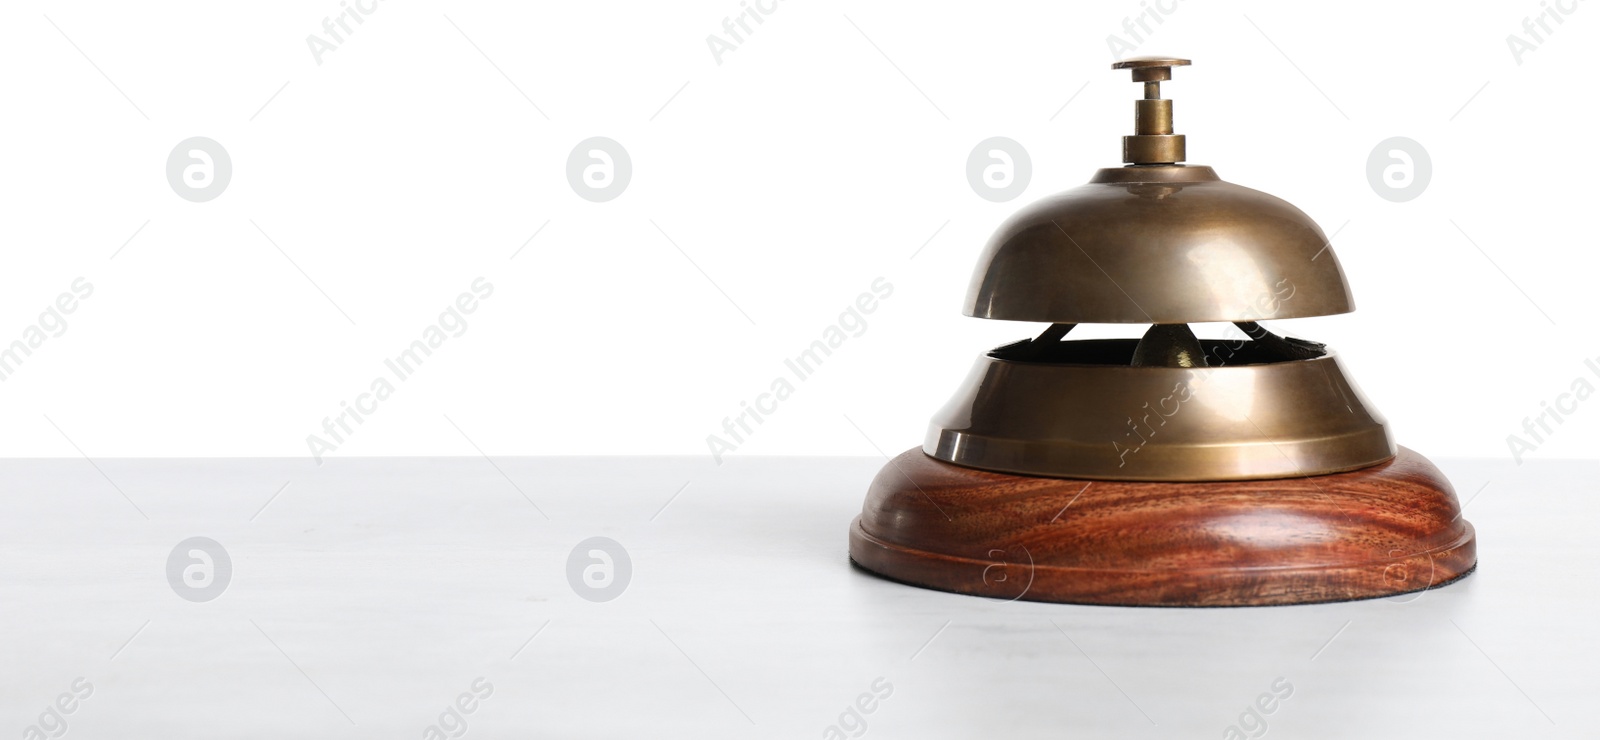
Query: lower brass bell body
pixel 1167 470
pixel 1084 411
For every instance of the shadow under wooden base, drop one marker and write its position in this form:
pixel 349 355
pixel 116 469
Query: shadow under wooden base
pixel 1389 529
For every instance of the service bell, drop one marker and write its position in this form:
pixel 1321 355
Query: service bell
pixel 1167 470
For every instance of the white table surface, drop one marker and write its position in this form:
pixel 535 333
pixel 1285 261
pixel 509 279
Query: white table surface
pixel 368 594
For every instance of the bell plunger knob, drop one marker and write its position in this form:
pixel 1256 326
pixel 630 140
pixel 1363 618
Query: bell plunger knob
pixel 1153 141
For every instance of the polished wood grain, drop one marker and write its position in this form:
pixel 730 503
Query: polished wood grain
pixel 1388 529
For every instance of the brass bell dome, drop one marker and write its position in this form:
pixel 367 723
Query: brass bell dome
pixel 1163 243
pixel 1157 242
pixel 1157 245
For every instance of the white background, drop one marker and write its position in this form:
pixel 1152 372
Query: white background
pixel 790 176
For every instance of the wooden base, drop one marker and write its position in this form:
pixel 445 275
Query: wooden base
pixel 1389 529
